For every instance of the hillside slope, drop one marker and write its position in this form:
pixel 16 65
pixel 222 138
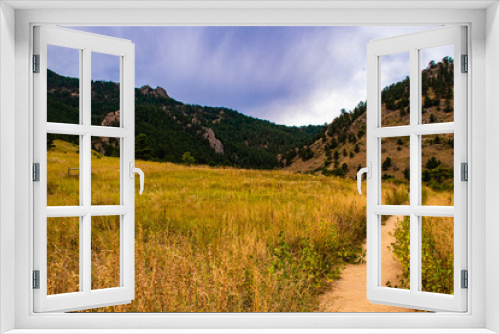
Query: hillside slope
pixel 166 129
pixel 341 150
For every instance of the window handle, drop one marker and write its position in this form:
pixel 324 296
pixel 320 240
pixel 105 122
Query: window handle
pixel 368 171
pixel 141 175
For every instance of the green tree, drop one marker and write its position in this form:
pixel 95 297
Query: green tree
pixel 143 149
pixel 334 143
pixel 188 159
pixel 432 163
pixel 50 141
pixel 345 168
pixel 306 153
pixel 426 176
pixel 406 173
pixel 387 163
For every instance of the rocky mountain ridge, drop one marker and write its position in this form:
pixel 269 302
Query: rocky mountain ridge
pixel 169 128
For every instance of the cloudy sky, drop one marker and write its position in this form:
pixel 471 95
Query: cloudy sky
pixel 288 75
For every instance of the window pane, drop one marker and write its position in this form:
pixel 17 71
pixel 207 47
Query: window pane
pixel 395 85
pixel 63 255
pixel 437 84
pixel 105 171
pixel 437 170
pixel 63 85
pixel 105 252
pixel 395 171
pixel 105 90
pixel 437 254
pixel 395 252
pixel 63 170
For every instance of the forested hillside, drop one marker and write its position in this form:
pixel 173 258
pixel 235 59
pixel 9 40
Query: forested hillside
pixel 341 150
pixel 169 130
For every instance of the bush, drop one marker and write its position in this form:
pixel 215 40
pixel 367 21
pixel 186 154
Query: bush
pixel 432 163
pixel 437 256
pixel 387 163
pixel 188 159
pixel 306 153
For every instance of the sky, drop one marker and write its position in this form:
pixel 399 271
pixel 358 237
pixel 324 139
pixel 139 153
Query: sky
pixel 287 75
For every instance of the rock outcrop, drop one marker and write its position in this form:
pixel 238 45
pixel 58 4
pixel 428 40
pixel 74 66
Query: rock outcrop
pixel 158 92
pixel 215 143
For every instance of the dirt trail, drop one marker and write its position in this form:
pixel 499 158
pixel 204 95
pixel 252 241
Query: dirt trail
pixel 349 293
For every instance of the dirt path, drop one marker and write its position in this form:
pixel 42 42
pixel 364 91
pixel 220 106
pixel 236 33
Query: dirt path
pixel 349 293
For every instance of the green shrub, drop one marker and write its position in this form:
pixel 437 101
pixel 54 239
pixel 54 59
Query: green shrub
pixel 437 267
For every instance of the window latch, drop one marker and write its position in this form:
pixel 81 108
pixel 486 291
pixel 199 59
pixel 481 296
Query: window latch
pixel 368 171
pixel 133 170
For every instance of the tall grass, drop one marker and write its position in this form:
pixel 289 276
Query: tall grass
pixel 221 240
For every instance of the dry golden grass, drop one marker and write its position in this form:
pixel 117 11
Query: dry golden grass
pixel 213 239
pixel 219 240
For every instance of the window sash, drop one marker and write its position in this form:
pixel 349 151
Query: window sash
pixel 414 298
pixel 86 298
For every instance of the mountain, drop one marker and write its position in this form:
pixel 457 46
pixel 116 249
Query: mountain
pixel 169 130
pixel 341 149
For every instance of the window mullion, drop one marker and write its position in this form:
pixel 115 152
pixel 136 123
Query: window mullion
pixel 415 179
pixel 85 248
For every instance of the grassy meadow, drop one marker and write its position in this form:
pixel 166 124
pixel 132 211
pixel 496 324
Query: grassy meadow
pixel 214 239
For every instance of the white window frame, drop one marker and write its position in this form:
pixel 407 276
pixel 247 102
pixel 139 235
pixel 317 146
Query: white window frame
pixel 86 44
pixel 413 44
pixel 484 237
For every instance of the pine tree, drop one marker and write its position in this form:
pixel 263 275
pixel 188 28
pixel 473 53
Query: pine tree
pixel 143 149
pixel 387 163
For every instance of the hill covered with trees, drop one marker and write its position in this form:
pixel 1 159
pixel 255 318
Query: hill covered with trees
pixel 341 149
pixel 169 130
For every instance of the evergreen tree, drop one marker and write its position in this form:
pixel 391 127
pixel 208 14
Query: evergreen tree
pixel 143 149
pixel 406 173
pixel 345 168
pixel 387 163
pixel 432 163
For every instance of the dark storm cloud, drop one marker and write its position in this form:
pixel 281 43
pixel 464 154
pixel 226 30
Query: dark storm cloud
pixel 289 75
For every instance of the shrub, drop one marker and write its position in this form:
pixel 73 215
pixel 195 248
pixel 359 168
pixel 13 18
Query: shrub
pixel 188 159
pixel 437 255
pixel 387 163
pixel 432 163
